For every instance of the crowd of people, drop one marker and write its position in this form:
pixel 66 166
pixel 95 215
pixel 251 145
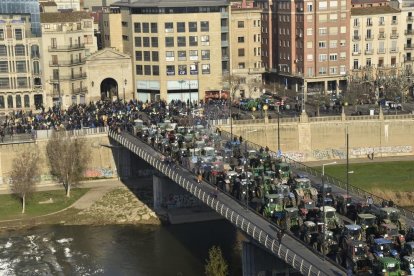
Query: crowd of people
pixel 115 115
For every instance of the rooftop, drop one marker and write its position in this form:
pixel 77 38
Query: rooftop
pixel 169 3
pixel 63 17
pixel 373 10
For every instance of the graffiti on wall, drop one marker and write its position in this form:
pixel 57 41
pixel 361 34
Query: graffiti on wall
pixel 386 150
pixel 99 173
pixel 295 155
pixel 329 154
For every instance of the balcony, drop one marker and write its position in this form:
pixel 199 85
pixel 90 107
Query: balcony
pixel 67 63
pixel 34 55
pixel 224 15
pixel 381 36
pixel 80 90
pixel 356 53
pixel 224 43
pixel 68 77
pixel 369 52
pixel 381 23
pixel 370 37
pixel 394 35
pixel 256 70
pixel 394 22
pixel 409 32
pixel 356 38
pixel 394 50
pixel 410 18
pixel 356 25
pixel 408 46
pixel 224 29
pixel 66 48
pixel 381 51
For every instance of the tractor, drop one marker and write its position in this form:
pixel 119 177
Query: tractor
pixel 288 196
pixel 387 266
pixel 292 219
pixel 383 248
pixel 327 244
pixel 350 232
pixel 308 209
pixel 273 207
pixel 390 214
pixel 356 256
pixel 368 223
pixel 333 222
pixel 303 189
pixel 283 171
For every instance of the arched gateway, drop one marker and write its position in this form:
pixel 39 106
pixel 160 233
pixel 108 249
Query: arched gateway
pixel 109 89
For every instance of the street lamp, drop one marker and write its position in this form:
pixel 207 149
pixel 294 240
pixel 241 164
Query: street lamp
pixel 125 83
pixel 181 88
pixel 196 63
pixel 117 165
pixel 323 206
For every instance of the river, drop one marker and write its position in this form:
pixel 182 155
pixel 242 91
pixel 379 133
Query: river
pixel 118 250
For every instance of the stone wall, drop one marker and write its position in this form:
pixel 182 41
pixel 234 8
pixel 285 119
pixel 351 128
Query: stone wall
pixel 324 140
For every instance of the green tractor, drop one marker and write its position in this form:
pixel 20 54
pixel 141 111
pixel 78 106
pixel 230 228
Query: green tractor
pixel 392 215
pixel 387 266
pixel 302 189
pixel 292 220
pixel 283 171
pixel 273 207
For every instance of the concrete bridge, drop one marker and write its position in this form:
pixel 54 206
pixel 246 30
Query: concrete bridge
pixel 292 251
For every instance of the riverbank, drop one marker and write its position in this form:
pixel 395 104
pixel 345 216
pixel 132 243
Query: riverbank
pixel 106 202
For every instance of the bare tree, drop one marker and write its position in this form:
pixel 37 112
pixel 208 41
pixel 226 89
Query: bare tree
pixel 68 158
pixel 232 83
pixel 25 175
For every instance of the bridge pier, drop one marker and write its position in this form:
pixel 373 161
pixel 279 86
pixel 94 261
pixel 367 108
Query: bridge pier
pixel 257 261
pixel 177 205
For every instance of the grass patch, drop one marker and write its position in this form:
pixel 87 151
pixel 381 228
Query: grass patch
pixel 10 207
pixel 389 180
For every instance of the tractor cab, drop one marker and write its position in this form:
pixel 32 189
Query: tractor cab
pixel 383 248
pixel 407 265
pixel 352 232
pixel 292 218
pixel 331 219
pixel 283 171
pixel 387 266
pixel 273 207
pixel 390 214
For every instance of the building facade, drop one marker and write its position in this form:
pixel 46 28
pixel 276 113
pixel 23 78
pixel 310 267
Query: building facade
pixel 246 48
pixel 67 39
pixel 20 67
pixel 30 7
pixel 313 45
pixel 267 29
pixel 180 50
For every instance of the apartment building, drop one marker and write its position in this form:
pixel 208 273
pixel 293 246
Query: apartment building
pixel 246 61
pixel 67 39
pixel 268 38
pixel 30 7
pixel 20 68
pixel 376 37
pixel 313 47
pixel 180 49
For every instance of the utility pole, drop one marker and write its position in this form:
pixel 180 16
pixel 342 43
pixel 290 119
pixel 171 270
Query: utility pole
pixel 60 98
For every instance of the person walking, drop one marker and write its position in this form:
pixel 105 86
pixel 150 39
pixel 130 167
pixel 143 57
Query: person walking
pixel 369 202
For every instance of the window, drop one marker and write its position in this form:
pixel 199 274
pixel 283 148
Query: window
pixel 53 43
pixel 342 43
pixel 381 20
pixel 1 101
pixel 3 50
pixel 146 41
pixel 368 62
pixel 204 26
pixel 309 31
pixel 182 69
pixel 154 42
pixel 343 29
pixel 4 83
pixel 124 24
pixel 241 65
pixel 4 67
pixel 138 55
pixel 240 24
pixel 241 52
pixel 22 82
pixel 323 57
pixel 180 27
pixel 18 34
pixel 26 101
pixel 333 17
pixel 205 69
pixel 170 70
pixel 138 69
pixel 309 57
pixel 147 70
pixel 323 31
pixel 205 40
pixel 333 4
pixel 19 50
pixel 154 28
pixel 181 41
pixel 323 18
pixel 147 56
pixel 309 44
pixel 369 21
pixel 333 44
pixel 155 70
pixel 125 37
pixel 333 57
pixel 18 101
pixel 145 28
pixel 155 56
pixel 342 55
pixel 323 5
pixel 182 55
pixel 138 41
pixel 240 39
pixel 21 66
pixel 193 54
pixel 1 34
pixel 342 69
pixel 309 7
pixel 137 27
pixel 205 54
pixel 333 70
pixel 10 101
pixel 193 40
pixel 333 30
pixel 322 70
pixel 322 44
pixel 169 27
pixel 192 27
pixel 169 42
pixel 169 56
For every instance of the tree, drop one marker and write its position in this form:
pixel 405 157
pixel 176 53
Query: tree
pixel 25 174
pixel 68 158
pixel 216 265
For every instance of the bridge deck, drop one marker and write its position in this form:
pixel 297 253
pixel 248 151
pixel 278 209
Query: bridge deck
pixel 292 251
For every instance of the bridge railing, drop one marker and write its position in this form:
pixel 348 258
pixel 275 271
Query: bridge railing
pixel 327 178
pixel 290 257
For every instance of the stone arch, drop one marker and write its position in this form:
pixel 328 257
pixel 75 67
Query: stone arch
pixel 109 89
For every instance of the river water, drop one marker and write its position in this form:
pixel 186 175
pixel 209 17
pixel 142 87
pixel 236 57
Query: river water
pixel 118 250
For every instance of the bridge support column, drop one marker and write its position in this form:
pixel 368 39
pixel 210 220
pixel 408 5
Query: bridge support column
pixel 257 261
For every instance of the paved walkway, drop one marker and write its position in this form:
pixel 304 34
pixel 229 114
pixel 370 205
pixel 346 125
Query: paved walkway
pixel 361 160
